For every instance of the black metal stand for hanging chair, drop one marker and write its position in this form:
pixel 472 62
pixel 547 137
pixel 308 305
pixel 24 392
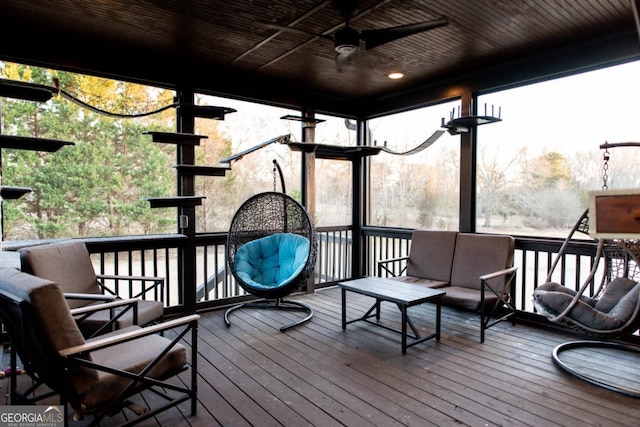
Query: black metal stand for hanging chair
pixel 271 251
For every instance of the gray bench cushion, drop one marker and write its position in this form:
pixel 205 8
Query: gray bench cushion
pixel 454 262
pixel 432 254
pixel 467 299
pixel 421 281
pixel 478 254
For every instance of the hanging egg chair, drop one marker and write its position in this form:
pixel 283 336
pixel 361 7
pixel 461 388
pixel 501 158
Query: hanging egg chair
pixel 611 313
pixel 271 252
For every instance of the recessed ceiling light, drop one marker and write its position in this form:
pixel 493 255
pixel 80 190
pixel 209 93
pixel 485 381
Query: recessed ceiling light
pixel 396 75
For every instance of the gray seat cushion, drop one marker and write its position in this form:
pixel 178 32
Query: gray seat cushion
pixel 48 303
pixel 421 281
pixel 148 312
pixel 467 299
pixel 552 299
pixel 131 356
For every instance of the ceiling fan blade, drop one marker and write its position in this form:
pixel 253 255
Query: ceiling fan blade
pixel 375 38
pixel 343 60
pixel 297 31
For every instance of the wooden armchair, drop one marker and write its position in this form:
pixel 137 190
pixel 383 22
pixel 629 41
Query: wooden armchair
pixel 98 376
pixel 69 265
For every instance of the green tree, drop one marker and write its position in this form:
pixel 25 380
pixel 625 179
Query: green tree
pixel 557 201
pixel 97 186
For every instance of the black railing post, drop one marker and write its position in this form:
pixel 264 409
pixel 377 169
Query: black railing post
pixel 468 179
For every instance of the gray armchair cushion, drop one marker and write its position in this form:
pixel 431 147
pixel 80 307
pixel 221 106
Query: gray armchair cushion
pixel 49 305
pixel 67 264
pixel 52 318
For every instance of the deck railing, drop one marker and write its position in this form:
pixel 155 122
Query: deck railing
pixel 215 286
pixel 158 255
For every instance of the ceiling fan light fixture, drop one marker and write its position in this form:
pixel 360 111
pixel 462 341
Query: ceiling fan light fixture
pixel 347 40
pixel 346 49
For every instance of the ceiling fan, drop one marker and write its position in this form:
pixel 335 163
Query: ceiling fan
pixel 347 39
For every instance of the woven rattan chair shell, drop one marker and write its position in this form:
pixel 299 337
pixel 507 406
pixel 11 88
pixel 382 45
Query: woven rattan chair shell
pixel 620 258
pixel 263 215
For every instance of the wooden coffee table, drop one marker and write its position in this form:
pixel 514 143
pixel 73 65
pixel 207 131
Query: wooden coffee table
pixel 404 295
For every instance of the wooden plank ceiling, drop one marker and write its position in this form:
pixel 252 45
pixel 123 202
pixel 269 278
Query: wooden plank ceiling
pixel 226 47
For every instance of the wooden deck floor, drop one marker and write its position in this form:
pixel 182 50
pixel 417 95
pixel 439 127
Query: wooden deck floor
pixel 251 374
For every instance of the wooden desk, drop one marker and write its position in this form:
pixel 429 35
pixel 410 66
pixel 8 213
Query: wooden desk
pixel 404 295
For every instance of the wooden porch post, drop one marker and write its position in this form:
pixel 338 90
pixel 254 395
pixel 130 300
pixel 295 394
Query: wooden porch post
pixel 308 191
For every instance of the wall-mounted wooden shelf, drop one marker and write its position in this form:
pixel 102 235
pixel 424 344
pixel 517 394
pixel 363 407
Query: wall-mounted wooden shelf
pixel 175 138
pixel 27 91
pixel 193 170
pixel 210 112
pixel 176 201
pixel 463 124
pixel 334 152
pixel 13 193
pixel 30 143
pixel 302 119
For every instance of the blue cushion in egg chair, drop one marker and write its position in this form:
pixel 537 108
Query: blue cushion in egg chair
pixel 273 261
